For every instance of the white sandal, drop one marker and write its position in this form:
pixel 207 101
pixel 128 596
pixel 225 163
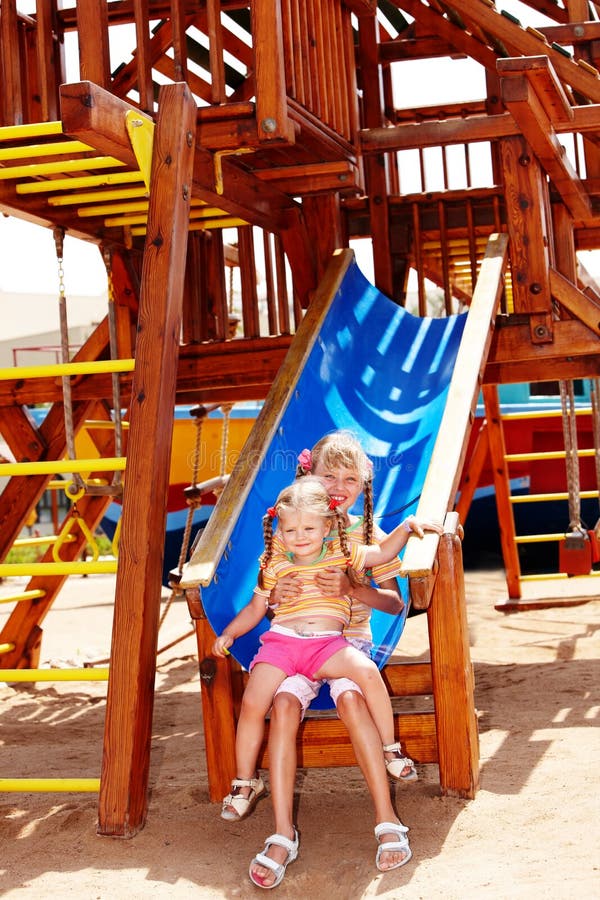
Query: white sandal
pixel 291 847
pixel 243 806
pixel 401 844
pixel 396 766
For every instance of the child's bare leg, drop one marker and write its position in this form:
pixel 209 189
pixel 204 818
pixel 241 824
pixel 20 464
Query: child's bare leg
pixel 353 711
pixel 258 696
pixel 286 715
pixel 351 663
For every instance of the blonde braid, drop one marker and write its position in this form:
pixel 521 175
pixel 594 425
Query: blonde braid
pixel 265 559
pixel 368 511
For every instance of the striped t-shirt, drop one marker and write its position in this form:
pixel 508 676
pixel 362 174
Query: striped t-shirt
pixel 358 626
pixel 311 601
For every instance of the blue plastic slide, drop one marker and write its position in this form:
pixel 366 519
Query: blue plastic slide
pixel 381 373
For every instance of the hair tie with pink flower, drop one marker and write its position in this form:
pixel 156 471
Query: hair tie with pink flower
pixel 305 460
pixel 272 512
pixel 333 504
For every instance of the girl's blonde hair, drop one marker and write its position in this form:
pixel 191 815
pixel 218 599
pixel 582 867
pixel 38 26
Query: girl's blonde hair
pixel 306 495
pixel 342 450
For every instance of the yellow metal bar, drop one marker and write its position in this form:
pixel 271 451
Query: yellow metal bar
pixel 6 648
pixel 35 785
pixel 539 538
pixel 52 466
pixel 38 541
pixel 557 576
pixel 112 209
pixel 545 454
pixel 35 129
pixel 207 225
pixel 104 424
pixel 28 151
pixel 541 498
pixel 101 567
pixel 24 595
pixel 81 181
pixel 91 674
pixel 91 367
pixel 56 168
pixel 129 193
pixel 542 414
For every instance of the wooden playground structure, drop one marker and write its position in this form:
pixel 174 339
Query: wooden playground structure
pixel 224 115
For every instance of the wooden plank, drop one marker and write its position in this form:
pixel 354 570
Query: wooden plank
pixel 530 110
pixel 92 32
pixel 215 537
pixel 47 56
pixel 215 43
pixel 126 758
pixel 271 102
pixel 248 283
pixel 471 473
pixel 142 57
pixel 453 685
pixel 10 62
pixel 439 489
pixel 178 29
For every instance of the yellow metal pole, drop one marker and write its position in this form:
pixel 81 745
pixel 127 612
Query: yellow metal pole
pixel 54 168
pixel 6 648
pixel 24 595
pixel 35 785
pixel 100 567
pixel 52 466
pixel 79 182
pixel 36 129
pixel 91 367
pixel 90 674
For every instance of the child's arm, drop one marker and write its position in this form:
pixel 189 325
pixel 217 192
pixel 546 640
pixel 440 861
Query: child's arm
pixel 391 545
pixel 245 621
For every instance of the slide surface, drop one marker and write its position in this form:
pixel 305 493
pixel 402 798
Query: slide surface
pixel 379 372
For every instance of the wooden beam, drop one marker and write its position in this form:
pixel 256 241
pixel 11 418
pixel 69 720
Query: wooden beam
pixel 526 204
pixel 535 98
pixel 452 674
pixel 575 301
pixel 92 31
pixel 98 118
pixel 128 727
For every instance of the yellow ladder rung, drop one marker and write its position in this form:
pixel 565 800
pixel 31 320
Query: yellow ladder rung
pixel 538 538
pixel 545 454
pixel 535 498
pixel 89 367
pixel 33 129
pixel 53 466
pixel 24 595
pixel 41 540
pixel 91 674
pixel 557 576
pixel 6 648
pixel 100 567
pixel 29 151
pixel 79 181
pixel 541 414
pixel 34 785
pixel 59 168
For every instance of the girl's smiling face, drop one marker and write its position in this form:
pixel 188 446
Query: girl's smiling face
pixel 303 533
pixel 343 485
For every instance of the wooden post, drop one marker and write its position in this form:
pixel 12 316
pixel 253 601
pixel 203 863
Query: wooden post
pixel 456 723
pixel 217 704
pixel 127 733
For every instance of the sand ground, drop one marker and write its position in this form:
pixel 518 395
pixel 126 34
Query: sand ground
pixel 533 829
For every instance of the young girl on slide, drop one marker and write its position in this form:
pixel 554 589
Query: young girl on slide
pixel 303 527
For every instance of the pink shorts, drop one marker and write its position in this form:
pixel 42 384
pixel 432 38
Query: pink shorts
pixel 297 655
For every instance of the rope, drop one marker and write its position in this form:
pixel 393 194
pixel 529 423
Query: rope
pixel 567 399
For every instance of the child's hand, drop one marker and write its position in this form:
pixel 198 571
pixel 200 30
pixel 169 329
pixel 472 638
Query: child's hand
pixel 286 589
pixel 221 645
pixel 413 525
pixel 333 581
